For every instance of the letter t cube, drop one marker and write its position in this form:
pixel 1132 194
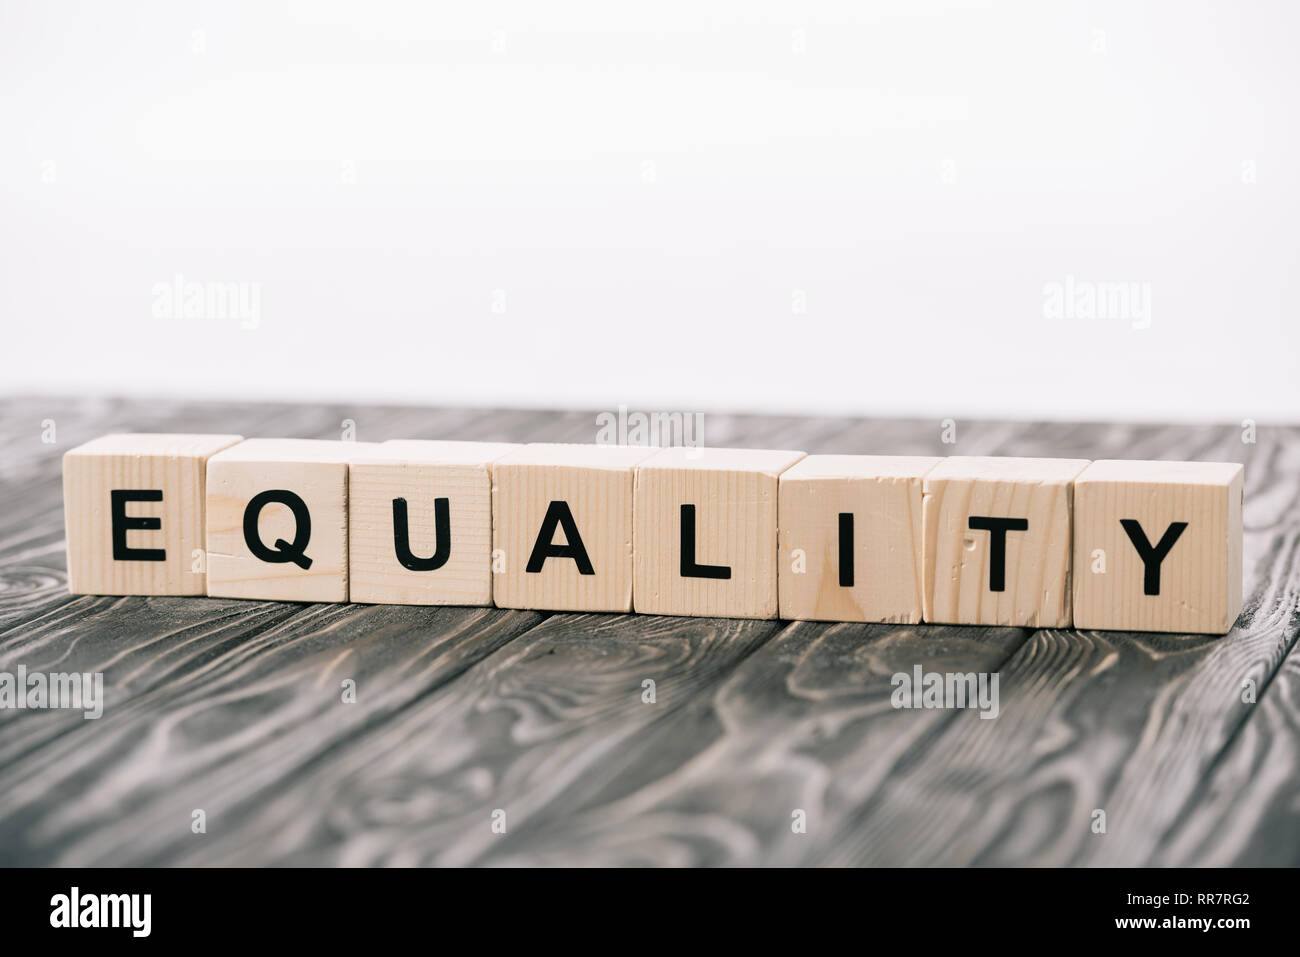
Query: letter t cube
pixel 997 541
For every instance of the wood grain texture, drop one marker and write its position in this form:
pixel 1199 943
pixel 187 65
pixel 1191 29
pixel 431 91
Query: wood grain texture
pixel 1246 810
pixel 1186 517
pixel 163 477
pixel 881 497
pixel 235 707
pixel 562 527
pixel 224 714
pixel 706 532
pixel 998 575
pixel 556 716
pixel 309 544
pixel 1127 724
pixel 804 726
pixel 424 477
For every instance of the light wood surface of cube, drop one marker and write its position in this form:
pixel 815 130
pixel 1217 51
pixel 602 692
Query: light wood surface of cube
pixel 730 498
pixel 1196 577
pixel 159 480
pixel 960 560
pixel 587 485
pixel 313 473
pixel 866 567
pixel 435 482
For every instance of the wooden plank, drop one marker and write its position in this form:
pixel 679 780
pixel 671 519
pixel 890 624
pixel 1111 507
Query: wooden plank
pixel 1122 723
pixel 805 723
pixel 479 714
pixel 564 662
pixel 532 731
pixel 209 715
pixel 556 726
pixel 161 791
pixel 803 726
pixel 871 825
pixel 140 644
pixel 1245 811
pixel 154 652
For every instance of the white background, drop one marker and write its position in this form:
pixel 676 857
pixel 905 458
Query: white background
pixel 565 204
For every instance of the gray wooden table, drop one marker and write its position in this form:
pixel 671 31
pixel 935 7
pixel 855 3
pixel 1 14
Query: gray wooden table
pixel 469 716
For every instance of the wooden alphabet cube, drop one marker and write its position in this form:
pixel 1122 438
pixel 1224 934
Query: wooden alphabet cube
pixel 997 541
pixel 562 527
pixel 706 532
pixel 133 506
pixel 420 522
pixel 850 538
pixel 1157 546
pixel 277 520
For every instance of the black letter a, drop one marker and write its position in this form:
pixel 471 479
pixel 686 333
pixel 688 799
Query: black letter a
pixel 557 513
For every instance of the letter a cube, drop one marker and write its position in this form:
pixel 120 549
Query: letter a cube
pixel 562 527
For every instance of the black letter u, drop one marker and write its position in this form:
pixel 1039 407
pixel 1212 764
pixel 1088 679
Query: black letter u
pixel 442 536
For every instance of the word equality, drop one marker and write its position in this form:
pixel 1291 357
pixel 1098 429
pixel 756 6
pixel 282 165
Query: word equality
pixel 747 533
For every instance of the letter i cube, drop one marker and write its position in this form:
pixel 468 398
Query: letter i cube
pixel 133 507
pixel 1157 546
pixel 851 538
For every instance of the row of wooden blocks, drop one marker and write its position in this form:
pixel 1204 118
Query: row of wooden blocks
pixel 1039 543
